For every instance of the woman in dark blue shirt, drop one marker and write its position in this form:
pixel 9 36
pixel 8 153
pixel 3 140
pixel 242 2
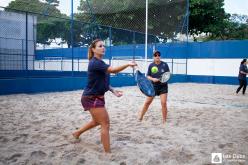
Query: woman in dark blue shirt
pixel 243 71
pixel 161 89
pixel 93 95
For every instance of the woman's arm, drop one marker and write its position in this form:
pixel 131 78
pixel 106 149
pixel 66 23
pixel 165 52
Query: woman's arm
pixel 242 72
pixel 120 68
pixel 117 69
pixel 153 79
pixel 243 69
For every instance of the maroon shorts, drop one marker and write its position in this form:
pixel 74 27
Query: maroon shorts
pixel 89 102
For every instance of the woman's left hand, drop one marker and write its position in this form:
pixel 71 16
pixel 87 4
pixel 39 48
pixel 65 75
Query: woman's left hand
pixel 118 93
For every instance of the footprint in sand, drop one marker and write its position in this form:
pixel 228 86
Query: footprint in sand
pixel 13 158
pixel 123 138
pixel 20 138
pixel 149 142
pixel 154 161
pixel 52 154
pixel 38 155
pixel 224 145
pixel 123 163
pixel 80 161
pixel 25 127
pixel 35 122
pixel 180 155
pixel 3 139
pixel 70 155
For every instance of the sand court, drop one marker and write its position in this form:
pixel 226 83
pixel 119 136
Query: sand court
pixel 202 119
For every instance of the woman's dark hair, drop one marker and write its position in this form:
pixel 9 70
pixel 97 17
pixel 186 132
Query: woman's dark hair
pixel 243 61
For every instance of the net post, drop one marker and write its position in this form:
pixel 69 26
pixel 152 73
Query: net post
pixel 146 37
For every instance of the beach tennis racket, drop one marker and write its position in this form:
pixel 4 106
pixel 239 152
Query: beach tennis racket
pixel 144 84
pixel 165 77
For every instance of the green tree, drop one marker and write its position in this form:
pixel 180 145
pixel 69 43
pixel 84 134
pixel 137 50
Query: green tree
pixel 235 31
pixel 208 16
pixel 237 27
pixel 36 6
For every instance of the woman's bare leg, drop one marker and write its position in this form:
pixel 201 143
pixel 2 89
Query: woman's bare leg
pixel 145 107
pixel 163 99
pixel 100 116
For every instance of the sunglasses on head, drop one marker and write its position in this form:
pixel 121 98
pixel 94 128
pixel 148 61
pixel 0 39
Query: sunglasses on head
pixel 157 54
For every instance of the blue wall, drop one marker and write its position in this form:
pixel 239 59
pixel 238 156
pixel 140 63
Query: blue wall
pixel 32 85
pixel 49 81
pixel 8 74
pixel 212 49
pixel 52 84
pixel 218 49
pixel 213 79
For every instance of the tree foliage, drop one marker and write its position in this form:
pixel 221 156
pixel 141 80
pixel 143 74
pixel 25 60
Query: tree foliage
pixel 36 6
pixel 209 17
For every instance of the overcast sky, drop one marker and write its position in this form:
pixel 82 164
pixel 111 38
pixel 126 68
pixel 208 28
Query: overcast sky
pixel 231 6
pixel 236 6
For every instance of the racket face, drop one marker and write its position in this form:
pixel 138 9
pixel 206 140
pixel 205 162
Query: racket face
pixel 144 84
pixel 165 77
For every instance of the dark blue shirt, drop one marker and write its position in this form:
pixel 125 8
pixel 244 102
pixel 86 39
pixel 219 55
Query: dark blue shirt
pixel 98 78
pixel 243 68
pixel 162 67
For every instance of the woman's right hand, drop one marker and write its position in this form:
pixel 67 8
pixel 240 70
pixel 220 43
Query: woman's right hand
pixel 155 80
pixel 132 64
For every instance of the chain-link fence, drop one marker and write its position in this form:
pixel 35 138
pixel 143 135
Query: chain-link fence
pixel 166 18
pixel 36 35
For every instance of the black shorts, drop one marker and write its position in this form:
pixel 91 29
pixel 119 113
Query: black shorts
pixel 160 89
